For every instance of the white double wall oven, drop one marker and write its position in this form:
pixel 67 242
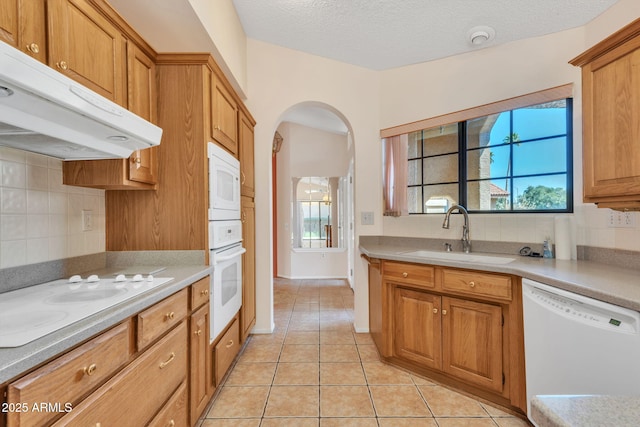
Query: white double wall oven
pixel 225 238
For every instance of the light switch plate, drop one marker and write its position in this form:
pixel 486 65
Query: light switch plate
pixel 87 220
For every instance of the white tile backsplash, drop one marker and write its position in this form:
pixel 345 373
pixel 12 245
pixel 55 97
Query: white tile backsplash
pixel 40 218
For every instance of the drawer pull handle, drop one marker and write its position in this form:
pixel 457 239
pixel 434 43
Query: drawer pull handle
pixel 62 65
pixel 435 311
pixel 205 292
pixel 472 284
pixel 33 48
pixel 89 370
pixel 444 312
pixel 172 423
pixel 98 424
pixel 229 344
pixel 169 360
pixel 405 274
pixel 198 332
pixel 169 316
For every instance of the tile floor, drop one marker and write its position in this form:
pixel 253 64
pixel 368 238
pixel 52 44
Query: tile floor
pixel 315 371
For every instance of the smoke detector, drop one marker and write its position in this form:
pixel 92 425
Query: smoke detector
pixel 481 35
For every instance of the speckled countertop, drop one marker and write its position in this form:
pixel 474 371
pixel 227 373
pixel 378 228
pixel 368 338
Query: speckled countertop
pixel 17 360
pixel 586 411
pixel 613 284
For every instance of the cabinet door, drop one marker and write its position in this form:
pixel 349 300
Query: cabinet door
pixel 224 116
pixel 248 310
pixel 141 84
pixel 85 46
pixel 245 128
pixel 201 383
pixel 417 327
pixel 472 342
pixel 22 25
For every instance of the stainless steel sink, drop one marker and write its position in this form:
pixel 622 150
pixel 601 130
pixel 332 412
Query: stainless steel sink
pixel 462 257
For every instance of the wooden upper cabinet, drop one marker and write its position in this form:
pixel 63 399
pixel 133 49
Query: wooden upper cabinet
pixel 22 25
pixel 611 120
pixel 224 116
pixel 141 84
pixel 87 47
pixel 247 163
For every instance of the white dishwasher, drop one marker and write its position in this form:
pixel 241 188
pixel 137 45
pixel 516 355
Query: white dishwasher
pixel 577 345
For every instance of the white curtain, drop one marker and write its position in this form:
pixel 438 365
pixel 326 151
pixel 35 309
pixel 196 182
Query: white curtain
pixel 395 167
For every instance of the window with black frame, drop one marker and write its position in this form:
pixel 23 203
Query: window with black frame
pixel 514 161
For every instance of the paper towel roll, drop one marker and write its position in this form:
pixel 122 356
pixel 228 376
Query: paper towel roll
pixel 563 237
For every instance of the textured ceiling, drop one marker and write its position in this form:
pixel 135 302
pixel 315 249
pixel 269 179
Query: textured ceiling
pixel 383 34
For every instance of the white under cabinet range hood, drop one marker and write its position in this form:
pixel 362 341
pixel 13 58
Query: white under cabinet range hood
pixel 45 112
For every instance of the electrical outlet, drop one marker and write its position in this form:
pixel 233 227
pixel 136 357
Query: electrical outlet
pixel 617 219
pixel 87 220
pixel 366 218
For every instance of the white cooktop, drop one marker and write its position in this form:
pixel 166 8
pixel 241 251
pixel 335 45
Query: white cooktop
pixel 33 312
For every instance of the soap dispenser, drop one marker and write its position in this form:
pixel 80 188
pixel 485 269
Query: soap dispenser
pixel 546 249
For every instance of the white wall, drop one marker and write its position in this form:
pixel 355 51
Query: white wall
pixel 279 79
pixel 41 219
pixel 307 152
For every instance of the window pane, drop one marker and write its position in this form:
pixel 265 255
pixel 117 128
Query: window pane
pixel 546 156
pixel 415 142
pixel 540 192
pixel 414 199
pixel 540 120
pixel 438 198
pixel 440 140
pixel 414 172
pixel 488 130
pixel 488 162
pixel 488 195
pixel 441 169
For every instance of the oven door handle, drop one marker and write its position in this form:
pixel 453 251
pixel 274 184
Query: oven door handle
pixel 221 258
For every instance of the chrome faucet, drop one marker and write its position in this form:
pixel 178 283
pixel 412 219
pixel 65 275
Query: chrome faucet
pixel 466 243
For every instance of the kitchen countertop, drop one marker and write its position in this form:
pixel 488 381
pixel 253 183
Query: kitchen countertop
pixel 616 285
pixel 586 411
pixel 17 360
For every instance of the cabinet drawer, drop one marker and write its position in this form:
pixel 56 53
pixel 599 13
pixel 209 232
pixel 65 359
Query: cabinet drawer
pixel 174 413
pixel 200 293
pixel 474 283
pixel 71 376
pixel 158 319
pixel 135 395
pixel 226 350
pixel 410 273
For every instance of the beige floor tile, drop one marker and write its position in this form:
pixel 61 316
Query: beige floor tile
pixel 511 422
pixel 398 401
pixel 256 352
pixel 231 422
pixel 339 353
pixel 267 339
pixel 348 422
pixel 379 373
pixel 495 412
pixel 363 339
pixel 290 422
pixel 345 401
pixel 342 374
pixel 302 337
pixel 407 422
pixel 465 422
pixel 293 401
pixel 447 403
pixel 305 317
pixel 368 353
pixel 336 337
pixel 252 374
pixel 297 374
pixel 300 353
pixel 421 381
pixel 239 402
pixel 311 325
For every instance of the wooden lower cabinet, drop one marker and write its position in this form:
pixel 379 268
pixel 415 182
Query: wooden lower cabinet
pixel 460 327
pixel 138 393
pixel 248 309
pixel 153 369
